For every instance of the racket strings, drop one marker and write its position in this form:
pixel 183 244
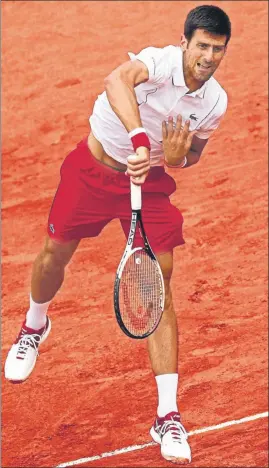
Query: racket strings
pixel 140 294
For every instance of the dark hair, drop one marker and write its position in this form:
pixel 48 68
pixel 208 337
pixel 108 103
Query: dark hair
pixel 210 18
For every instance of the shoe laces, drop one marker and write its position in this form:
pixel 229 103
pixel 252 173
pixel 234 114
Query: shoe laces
pixel 175 428
pixel 25 342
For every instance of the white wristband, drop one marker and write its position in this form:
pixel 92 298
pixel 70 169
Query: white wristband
pixel 182 164
pixel 185 161
pixel 136 131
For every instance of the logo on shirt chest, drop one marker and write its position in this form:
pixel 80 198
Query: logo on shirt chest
pixel 193 117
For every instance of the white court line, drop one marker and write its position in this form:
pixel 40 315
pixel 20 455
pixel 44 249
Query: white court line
pixel 132 448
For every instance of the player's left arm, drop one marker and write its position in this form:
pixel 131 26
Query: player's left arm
pixel 181 147
pixel 195 151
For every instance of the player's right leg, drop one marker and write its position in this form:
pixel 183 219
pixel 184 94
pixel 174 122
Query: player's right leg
pixel 83 205
pixel 47 278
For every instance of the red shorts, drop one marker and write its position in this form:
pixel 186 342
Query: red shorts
pixel 91 194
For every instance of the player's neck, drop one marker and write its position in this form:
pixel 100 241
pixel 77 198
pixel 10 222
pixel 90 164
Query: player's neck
pixel 192 83
pixel 189 79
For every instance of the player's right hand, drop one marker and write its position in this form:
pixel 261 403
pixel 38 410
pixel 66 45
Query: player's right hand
pixel 138 165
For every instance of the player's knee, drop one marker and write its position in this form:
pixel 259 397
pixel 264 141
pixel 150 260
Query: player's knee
pixel 55 255
pixel 166 263
pixel 168 303
pixel 49 261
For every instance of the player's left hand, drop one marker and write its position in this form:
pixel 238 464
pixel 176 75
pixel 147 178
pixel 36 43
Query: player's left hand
pixel 176 142
pixel 138 165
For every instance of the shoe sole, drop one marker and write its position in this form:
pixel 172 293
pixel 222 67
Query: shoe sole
pixel 44 337
pixel 180 461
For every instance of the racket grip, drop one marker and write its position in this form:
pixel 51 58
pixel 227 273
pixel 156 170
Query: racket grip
pixel 136 198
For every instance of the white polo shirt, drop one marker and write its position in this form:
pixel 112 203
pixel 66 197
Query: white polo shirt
pixel 163 95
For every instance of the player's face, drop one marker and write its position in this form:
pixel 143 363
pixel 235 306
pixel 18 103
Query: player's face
pixel 202 55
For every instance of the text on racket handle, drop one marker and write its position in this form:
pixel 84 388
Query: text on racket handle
pixel 132 229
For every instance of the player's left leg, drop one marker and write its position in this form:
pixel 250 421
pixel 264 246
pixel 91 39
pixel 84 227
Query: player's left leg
pixel 163 224
pixel 163 352
pixel 163 343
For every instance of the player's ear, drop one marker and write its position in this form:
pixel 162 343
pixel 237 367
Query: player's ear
pixel 183 42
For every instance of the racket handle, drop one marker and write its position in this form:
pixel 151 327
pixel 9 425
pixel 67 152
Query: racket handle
pixel 136 199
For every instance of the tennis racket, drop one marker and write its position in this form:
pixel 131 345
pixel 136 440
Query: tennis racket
pixel 139 288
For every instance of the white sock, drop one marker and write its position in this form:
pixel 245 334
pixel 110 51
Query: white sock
pixel 167 393
pixel 37 314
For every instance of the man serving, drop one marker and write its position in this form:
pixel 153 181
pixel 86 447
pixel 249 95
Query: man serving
pixel 163 105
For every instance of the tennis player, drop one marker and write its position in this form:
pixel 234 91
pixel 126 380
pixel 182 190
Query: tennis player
pixel 163 104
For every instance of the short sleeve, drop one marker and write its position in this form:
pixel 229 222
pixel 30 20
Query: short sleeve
pixel 158 61
pixel 212 123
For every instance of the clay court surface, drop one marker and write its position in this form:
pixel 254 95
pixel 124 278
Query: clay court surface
pixel 92 390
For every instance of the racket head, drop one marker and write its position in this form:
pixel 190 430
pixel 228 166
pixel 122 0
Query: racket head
pixel 139 294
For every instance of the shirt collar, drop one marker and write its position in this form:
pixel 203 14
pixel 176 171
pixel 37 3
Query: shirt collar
pixel 178 78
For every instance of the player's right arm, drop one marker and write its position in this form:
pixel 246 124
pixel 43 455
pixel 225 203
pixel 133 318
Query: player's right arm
pixel 119 86
pixel 153 65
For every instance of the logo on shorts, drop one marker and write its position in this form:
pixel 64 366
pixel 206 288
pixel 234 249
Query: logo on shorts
pixel 52 228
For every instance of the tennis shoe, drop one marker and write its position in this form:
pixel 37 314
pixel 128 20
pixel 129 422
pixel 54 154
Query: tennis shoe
pixel 23 354
pixel 171 435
